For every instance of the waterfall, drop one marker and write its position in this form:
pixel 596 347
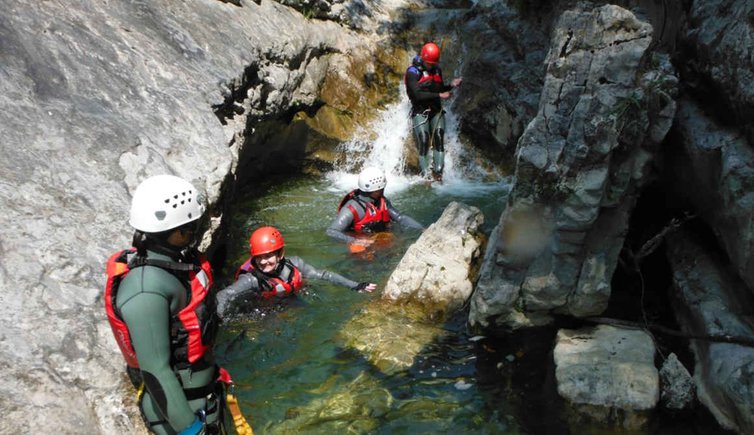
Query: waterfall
pixel 384 144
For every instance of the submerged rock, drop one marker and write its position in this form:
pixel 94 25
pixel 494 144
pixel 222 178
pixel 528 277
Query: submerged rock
pixel 607 376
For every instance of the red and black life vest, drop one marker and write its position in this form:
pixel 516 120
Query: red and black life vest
pixel 193 328
pixel 429 79
pixel 286 282
pixel 375 219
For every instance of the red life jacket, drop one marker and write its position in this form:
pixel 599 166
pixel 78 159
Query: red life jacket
pixel 193 328
pixel 375 219
pixel 275 285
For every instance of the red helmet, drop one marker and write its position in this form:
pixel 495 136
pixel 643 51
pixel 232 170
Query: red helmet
pixel 430 53
pixel 264 240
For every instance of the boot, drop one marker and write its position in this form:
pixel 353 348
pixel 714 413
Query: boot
pixel 424 165
pixel 438 163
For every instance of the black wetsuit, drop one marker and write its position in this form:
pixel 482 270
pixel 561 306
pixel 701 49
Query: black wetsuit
pixel 424 87
pixel 247 287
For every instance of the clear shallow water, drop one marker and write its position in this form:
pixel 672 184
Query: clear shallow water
pixel 285 363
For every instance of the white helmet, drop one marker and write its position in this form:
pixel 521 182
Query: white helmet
pixel 164 202
pixel 371 179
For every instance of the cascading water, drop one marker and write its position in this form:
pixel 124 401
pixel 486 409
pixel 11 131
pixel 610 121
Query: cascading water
pixel 384 144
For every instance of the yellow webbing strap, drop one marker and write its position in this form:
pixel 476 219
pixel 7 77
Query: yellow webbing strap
pixel 140 391
pixel 242 426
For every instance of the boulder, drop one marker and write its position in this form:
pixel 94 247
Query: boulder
pixel 677 386
pixel 433 279
pixel 606 375
pixel 437 269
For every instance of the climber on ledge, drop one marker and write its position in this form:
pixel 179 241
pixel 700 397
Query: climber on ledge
pixel 366 211
pixel 426 90
pixel 268 276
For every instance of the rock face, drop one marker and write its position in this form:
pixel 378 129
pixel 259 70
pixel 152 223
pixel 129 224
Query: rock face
pixel 711 301
pixel 437 270
pixel 719 66
pixel 605 106
pixel 713 169
pixel 96 97
pixel 503 73
pixel 605 369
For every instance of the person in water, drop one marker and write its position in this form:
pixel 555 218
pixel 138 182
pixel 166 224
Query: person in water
pixel 426 90
pixel 269 275
pixel 162 312
pixel 365 210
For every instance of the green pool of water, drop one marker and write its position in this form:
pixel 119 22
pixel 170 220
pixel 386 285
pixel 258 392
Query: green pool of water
pixel 292 370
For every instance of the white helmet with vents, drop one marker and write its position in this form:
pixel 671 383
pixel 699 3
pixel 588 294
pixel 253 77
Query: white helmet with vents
pixel 372 179
pixel 164 202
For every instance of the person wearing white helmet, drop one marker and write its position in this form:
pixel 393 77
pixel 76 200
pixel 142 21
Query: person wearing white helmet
pixel 162 312
pixel 366 210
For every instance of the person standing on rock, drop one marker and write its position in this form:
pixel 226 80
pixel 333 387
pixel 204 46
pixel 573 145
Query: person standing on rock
pixel 268 276
pixel 162 312
pixel 426 90
pixel 365 212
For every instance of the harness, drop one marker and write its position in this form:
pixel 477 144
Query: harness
pixel 375 219
pixel 193 329
pixel 287 281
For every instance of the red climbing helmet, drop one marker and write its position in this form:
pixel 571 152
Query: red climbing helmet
pixel 430 53
pixel 264 240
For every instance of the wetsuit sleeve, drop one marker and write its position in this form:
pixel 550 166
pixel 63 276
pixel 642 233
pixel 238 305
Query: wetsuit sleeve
pixel 342 223
pixel 402 219
pixel 308 271
pixel 245 286
pixel 148 318
pixel 416 93
pixel 445 86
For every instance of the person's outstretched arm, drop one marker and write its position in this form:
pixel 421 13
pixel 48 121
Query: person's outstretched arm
pixel 340 225
pixel 402 219
pixel 309 271
pixel 245 286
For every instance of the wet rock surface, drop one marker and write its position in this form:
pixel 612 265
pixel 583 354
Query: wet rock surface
pixel 96 97
pixel 605 107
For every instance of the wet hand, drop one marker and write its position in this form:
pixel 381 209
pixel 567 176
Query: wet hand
pixel 445 95
pixel 456 82
pixel 363 242
pixel 367 287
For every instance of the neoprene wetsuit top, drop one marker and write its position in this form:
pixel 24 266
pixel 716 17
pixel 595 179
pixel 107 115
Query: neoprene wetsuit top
pixel 424 86
pixel 148 298
pixel 344 221
pixel 247 286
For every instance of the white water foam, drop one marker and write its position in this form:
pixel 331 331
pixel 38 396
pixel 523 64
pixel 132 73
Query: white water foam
pixel 383 144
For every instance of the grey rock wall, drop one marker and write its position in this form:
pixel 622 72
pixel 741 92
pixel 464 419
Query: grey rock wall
pixel 95 97
pixel 717 60
pixel 713 170
pixel 709 300
pixel 606 104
